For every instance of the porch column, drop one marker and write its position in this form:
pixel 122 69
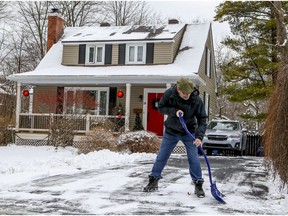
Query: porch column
pixel 168 85
pixel 18 105
pixel 127 106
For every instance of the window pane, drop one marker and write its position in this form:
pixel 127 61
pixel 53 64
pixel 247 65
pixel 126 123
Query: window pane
pixel 99 54
pixel 85 102
pixel 77 102
pixel 208 62
pixel 89 102
pixel 103 103
pixel 70 102
pixel 206 102
pixel 91 54
pixel 140 54
pixel 131 53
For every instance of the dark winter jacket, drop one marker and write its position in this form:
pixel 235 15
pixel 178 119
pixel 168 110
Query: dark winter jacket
pixel 193 109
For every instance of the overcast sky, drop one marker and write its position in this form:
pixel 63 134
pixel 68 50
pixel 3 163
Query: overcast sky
pixel 186 11
pixel 189 11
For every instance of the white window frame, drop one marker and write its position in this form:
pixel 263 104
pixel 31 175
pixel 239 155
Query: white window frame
pixel 98 89
pixel 208 62
pixel 95 47
pixel 135 54
pixel 206 103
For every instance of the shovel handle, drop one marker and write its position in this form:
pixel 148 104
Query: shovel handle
pixel 199 147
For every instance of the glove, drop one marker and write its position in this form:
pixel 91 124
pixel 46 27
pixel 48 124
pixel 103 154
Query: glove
pixel 179 111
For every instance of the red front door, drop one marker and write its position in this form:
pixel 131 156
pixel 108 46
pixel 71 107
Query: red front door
pixel 155 120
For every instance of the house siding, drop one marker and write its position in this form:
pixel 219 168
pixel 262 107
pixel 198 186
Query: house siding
pixel 210 81
pixel 70 55
pixel 178 40
pixel 163 53
pixel 115 54
pixel 134 103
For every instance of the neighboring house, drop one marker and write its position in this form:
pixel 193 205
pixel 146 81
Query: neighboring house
pixel 122 67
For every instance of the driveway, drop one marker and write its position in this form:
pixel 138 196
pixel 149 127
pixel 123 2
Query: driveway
pixel 91 191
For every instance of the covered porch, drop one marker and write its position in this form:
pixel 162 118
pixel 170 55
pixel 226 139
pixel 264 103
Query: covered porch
pixel 32 123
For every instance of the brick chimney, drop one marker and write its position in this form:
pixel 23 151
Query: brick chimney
pixel 55 27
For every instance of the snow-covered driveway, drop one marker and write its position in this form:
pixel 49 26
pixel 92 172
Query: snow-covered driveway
pixel 117 188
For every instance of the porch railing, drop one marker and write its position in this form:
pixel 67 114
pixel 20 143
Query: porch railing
pixel 80 123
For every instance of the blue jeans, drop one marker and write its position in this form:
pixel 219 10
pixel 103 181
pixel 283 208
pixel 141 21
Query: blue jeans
pixel 167 146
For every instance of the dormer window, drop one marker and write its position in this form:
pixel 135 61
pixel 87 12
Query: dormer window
pixel 95 54
pixel 135 54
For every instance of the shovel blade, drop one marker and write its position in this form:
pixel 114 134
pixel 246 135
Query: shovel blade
pixel 216 193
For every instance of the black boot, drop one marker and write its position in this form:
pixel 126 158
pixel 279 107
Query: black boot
pixel 152 185
pixel 199 190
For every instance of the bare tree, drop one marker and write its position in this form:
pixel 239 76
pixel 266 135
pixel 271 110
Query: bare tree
pixel 4 49
pixel 120 13
pixel 22 57
pixel 3 10
pixel 7 102
pixel 78 13
pixel 33 18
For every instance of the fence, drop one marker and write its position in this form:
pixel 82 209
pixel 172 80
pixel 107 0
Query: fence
pixel 81 123
pixel 253 145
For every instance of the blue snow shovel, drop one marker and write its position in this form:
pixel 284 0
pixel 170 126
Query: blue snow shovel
pixel 214 191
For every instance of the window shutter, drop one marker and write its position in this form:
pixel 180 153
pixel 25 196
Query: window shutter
pixel 150 53
pixel 82 51
pixel 108 54
pixel 112 99
pixel 121 53
pixel 60 100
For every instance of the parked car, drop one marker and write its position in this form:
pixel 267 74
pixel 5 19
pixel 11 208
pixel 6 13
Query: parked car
pixel 225 135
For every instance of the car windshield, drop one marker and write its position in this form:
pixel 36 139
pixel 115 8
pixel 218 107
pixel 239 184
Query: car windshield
pixel 223 125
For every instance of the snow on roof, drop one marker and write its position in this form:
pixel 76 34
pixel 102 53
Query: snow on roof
pixel 51 71
pixel 120 33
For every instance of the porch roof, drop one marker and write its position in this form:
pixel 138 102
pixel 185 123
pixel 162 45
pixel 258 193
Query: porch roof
pixel 187 62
